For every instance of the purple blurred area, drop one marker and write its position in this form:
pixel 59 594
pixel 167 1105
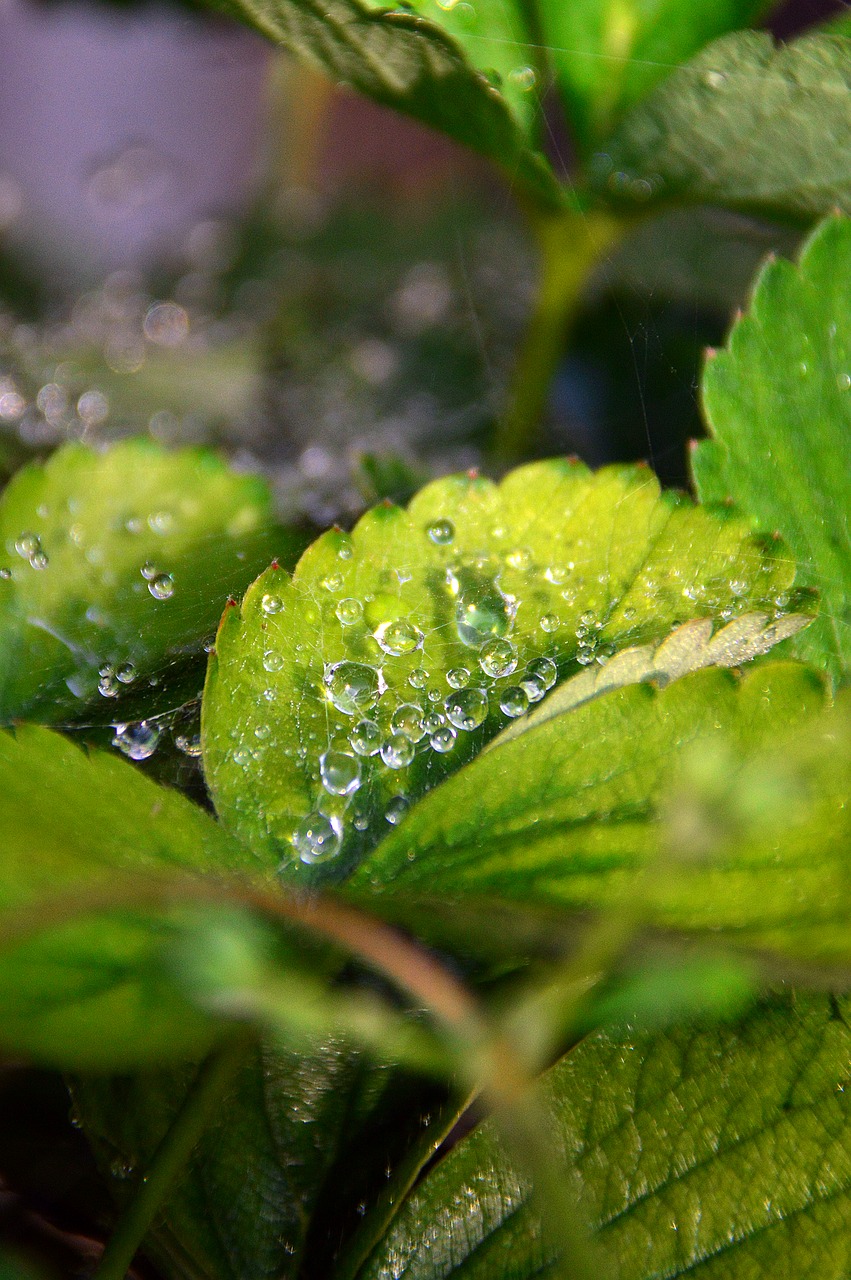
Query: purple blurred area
pixel 120 130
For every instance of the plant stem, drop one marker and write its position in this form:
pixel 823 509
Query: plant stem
pixel 212 1081
pixel 570 245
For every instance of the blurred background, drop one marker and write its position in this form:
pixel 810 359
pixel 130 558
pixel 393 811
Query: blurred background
pixel 202 241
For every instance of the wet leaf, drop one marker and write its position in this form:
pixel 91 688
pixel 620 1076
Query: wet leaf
pixel 778 403
pixel 747 124
pixel 339 695
pixel 608 54
pixel 717 806
pixel 467 70
pixel 116 565
pixel 681 1164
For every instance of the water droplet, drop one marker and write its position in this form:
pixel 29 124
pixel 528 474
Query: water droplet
pixel 396 810
pixel 340 773
pixel 349 611
pixel 149 571
pixel 714 79
pixel 317 838
pixel 353 687
pixel 556 574
pixel 126 673
pixel 107 683
pixel 39 560
pixel 408 719
pixel 397 751
pixel 514 702
pixel 457 677
pixel 366 738
pixel 481 610
pixel 332 582
pixel 443 740
pixel 519 559
pixel 441 532
pixel 498 658
pixel 467 709
pixel 543 669
pixel 550 622
pixel 271 604
pixel 190 745
pixel 433 721
pixel 272 661
pixel 585 654
pixel 162 586
pixel 161 521
pixel 418 679
pixel 5 574
pixel 523 78
pixel 843 381
pixel 738 586
pixel 399 638
pixel 360 822
pixel 138 741
pixel 27 544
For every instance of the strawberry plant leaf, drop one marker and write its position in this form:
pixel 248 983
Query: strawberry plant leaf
pixel 778 405
pixel 467 70
pixel 115 565
pixel 339 695
pixel 722 1151
pixel 700 812
pixel 98 991
pixel 607 55
pixel 747 124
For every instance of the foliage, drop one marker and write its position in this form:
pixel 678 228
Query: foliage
pixel 511 778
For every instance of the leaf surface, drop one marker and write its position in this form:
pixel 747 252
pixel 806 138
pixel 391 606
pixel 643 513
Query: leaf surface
pixel 607 54
pixel 778 404
pixel 722 1153
pixel 747 124
pixel 340 695
pixel 98 991
pixel 115 565
pixel 685 806
pixel 467 70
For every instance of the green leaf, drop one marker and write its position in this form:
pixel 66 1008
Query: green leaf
pixel 755 126
pixel 467 70
pixel 778 404
pixel 97 991
pixel 116 565
pixel 607 54
pixel 439 625
pixel 684 806
pixel 244 1204
pixel 720 1152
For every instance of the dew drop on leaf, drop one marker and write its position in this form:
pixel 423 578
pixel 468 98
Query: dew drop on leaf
pixel 138 741
pixel 353 687
pixel 408 719
pixel 498 658
pixel 272 661
pixel 443 740
pixel 543 669
pixel 399 638
pixel 366 738
pixel 340 773
pixel 441 532
pixel 349 611
pixel 271 604
pixel 317 838
pixel 396 810
pixel 162 586
pixel 514 702
pixel 418 679
pixel 457 677
pixel 467 709
pixel 397 751
pixel 481 610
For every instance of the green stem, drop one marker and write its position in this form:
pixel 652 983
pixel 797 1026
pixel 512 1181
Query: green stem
pixel 214 1077
pixel 570 245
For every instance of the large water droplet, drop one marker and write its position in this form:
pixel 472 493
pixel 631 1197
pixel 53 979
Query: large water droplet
pixel 366 738
pixel 443 740
pixel 457 677
pixel 498 658
pixel 514 702
pixel 467 709
pixel 349 611
pixel 543 669
pixel 138 741
pixel 481 610
pixel 399 638
pixel 273 661
pixel 271 604
pixel 397 751
pixel 340 773
pixel 353 687
pixel 317 838
pixel 408 719
pixel 162 586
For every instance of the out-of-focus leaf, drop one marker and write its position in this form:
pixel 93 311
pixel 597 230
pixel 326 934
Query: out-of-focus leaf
pixel 115 565
pixel 338 695
pixel 778 402
pixel 746 124
pixel 721 1152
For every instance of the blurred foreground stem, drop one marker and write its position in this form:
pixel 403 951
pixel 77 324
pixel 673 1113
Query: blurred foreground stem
pixel 570 245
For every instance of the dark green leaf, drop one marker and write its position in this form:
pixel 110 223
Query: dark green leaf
pixel 496 589
pixel 778 403
pixel 747 124
pixel 671 805
pixel 722 1153
pixel 607 54
pixel 117 564
pixel 465 69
